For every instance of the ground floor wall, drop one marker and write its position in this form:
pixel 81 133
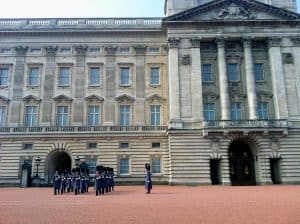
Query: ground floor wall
pixel 182 156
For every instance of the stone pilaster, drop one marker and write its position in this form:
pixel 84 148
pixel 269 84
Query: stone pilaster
pixel 250 79
pixel 278 81
pixel 196 80
pixel 223 79
pixel 174 85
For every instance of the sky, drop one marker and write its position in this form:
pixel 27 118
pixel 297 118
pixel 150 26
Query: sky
pixel 83 8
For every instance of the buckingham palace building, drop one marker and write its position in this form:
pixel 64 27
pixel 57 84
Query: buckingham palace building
pixel 208 94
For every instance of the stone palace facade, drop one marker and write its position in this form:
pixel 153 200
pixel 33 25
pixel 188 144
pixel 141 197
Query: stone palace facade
pixel 208 94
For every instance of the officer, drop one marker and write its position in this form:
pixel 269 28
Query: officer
pixel 148 181
pixel 56 182
pixel 97 182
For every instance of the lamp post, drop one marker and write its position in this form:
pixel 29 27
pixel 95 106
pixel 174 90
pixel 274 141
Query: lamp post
pixel 38 162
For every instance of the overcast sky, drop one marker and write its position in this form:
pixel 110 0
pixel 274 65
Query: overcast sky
pixel 82 8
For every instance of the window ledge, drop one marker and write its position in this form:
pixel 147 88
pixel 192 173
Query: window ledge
pixel 154 85
pixel 125 85
pixel 4 87
pixel 94 85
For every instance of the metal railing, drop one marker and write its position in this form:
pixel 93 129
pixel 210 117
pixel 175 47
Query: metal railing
pixel 246 124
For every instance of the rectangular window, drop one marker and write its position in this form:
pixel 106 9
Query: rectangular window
pixel 124 145
pixel 92 163
pixel 125 50
pixel 95 76
pixel 124 115
pixel 4 76
pixel 28 146
pixel 64 76
pixel 33 76
pixel 94 116
pixel 155 144
pixel 259 72
pixel 236 111
pixel 124 166
pixel 155 115
pixel 92 145
pixel 124 79
pixel 31 116
pixel 154 76
pixel 62 116
pixel 2 116
pixel 156 165
pixel 233 73
pixel 263 111
pixel 209 111
pixel 207 73
pixel 95 50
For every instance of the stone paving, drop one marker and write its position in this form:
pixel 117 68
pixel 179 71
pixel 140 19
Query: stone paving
pixel 130 205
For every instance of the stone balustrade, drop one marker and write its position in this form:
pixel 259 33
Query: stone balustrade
pixel 246 124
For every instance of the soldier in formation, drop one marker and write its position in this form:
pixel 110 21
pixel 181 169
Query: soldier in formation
pixel 104 180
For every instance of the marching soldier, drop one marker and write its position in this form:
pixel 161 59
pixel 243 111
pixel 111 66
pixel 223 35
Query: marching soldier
pixel 77 182
pixel 63 183
pixel 56 183
pixel 69 182
pixel 148 181
pixel 97 182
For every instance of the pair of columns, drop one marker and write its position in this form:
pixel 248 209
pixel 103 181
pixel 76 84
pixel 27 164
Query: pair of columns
pixel 276 70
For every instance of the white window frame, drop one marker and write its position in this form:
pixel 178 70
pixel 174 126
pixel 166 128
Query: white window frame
pixel 30 68
pixel 120 166
pixel 91 67
pixel 127 113
pixel 237 70
pixel 31 118
pixel 152 68
pixel 157 115
pixel 67 114
pixel 209 110
pixel 153 158
pixel 94 114
pixel 211 73
pixel 127 67
pixel 60 68
pixel 264 111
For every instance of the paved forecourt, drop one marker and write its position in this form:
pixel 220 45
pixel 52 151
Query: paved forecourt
pixel 165 204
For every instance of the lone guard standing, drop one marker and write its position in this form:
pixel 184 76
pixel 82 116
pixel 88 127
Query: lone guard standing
pixel 148 182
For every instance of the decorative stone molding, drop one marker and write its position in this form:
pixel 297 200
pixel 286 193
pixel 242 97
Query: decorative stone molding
pixel 140 49
pixel 196 42
pixel 51 50
pixel 234 12
pixel 274 146
pixel 234 87
pixel 62 98
pixel 31 99
pixel 165 47
pixel 173 42
pixel 186 59
pixel 81 50
pixel 4 100
pixel 155 98
pixel 264 96
pixel 94 98
pixel 247 41
pixel 296 41
pixel 215 148
pixel 210 97
pixel 287 58
pixel 21 50
pixel 111 49
pixel 237 97
pixel 274 41
pixel 124 98
pixel 221 40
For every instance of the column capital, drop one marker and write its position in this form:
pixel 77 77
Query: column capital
pixel 21 50
pixel 274 41
pixel 110 49
pixel 140 49
pixel 296 40
pixel 81 50
pixel 195 41
pixel 247 41
pixel 221 40
pixel 174 42
pixel 50 50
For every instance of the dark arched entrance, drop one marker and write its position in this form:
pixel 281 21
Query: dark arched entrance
pixel 60 161
pixel 241 160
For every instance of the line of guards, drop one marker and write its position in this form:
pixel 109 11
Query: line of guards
pixel 78 181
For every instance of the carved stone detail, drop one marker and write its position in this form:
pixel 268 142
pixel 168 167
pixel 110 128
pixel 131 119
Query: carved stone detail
pixel 287 58
pixel 140 49
pixel 263 96
pixel 195 41
pixel 173 42
pixel 4 100
pixel 21 50
pixel 94 98
pixel 81 50
pixel 124 99
pixel 186 59
pixel 221 41
pixel 274 146
pixel 234 12
pixel 215 148
pixel 31 99
pixel 210 97
pixel 63 98
pixel 155 98
pixel 110 49
pixel 247 41
pixel 51 50
pixel 296 41
pixel 237 97
pixel 274 41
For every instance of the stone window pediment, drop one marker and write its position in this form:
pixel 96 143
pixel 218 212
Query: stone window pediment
pixel 210 97
pixel 238 97
pixel 4 100
pixel 63 98
pixel 155 98
pixel 264 96
pixel 94 98
pixel 124 98
pixel 31 99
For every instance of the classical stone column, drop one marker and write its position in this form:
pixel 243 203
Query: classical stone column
pixel 196 81
pixel 223 79
pixel 296 42
pixel 174 90
pixel 278 81
pixel 250 79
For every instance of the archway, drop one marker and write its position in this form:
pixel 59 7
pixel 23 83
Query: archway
pixel 58 160
pixel 241 161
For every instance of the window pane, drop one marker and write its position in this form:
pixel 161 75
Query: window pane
pixel 156 166
pixel 124 166
pixel 3 76
pixel 209 111
pixel 155 115
pixel 207 73
pixel 259 72
pixel 2 116
pixel 62 116
pixel 154 76
pixel 94 76
pixel 31 116
pixel 33 78
pixel 64 76
pixel 124 115
pixel 233 72
pixel 236 111
pixel 94 116
pixel 124 76
pixel 263 111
